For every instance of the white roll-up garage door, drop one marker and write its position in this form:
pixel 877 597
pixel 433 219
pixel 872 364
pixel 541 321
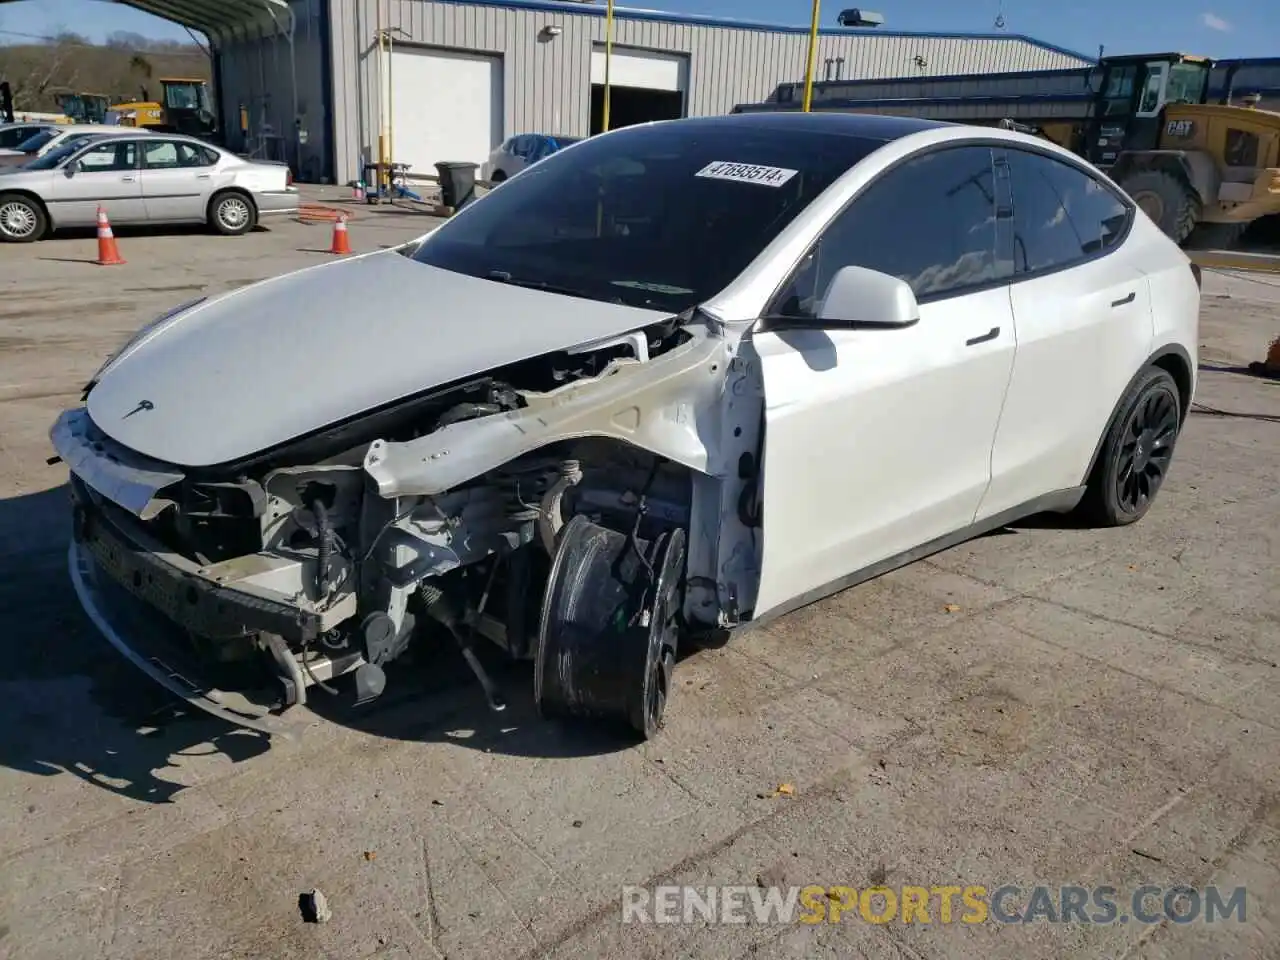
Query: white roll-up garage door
pixel 446 105
pixel 641 69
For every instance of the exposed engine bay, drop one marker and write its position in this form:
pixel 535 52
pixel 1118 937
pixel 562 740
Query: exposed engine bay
pixel 578 510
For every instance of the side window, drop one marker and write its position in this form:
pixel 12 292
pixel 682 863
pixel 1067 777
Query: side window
pixel 170 155
pixel 930 221
pixel 1061 214
pixel 160 155
pixel 109 157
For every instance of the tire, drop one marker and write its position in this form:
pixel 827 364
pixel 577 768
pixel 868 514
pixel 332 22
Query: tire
pixel 1136 452
pixel 22 219
pixel 1166 200
pixel 1216 236
pixel 498 177
pixel 608 637
pixel 232 213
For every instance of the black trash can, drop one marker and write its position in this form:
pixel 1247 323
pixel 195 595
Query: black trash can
pixel 457 182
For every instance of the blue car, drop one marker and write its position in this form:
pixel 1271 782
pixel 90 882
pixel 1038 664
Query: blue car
pixel 521 151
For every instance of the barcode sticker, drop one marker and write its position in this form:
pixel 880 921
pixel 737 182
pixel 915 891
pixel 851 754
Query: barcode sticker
pixel 746 173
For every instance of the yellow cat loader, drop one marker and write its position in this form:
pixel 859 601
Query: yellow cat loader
pixel 184 107
pixel 1202 170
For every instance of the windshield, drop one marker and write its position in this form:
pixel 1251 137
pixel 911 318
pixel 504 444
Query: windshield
pixel 660 216
pixel 1186 83
pixel 181 96
pixel 58 154
pixel 36 141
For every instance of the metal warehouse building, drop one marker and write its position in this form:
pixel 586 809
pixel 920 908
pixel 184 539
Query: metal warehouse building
pixel 461 75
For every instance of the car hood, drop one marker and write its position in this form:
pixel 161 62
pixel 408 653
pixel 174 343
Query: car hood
pixel 258 367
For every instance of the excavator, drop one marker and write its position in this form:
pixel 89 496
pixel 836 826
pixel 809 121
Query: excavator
pixel 184 107
pixel 1196 152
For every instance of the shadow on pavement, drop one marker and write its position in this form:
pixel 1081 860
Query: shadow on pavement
pixel 68 702
pixel 432 696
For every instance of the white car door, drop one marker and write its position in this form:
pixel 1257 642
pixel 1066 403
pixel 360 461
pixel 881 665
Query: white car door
pixel 879 441
pixel 106 175
pixel 176 178
pixel 1082 309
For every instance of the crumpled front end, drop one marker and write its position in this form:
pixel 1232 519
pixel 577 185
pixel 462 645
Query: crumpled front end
pixel 480 509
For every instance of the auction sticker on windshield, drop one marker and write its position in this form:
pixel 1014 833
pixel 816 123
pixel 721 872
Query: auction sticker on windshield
pixel 746 173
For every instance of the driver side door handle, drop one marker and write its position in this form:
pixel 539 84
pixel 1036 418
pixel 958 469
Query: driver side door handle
pixel 989 335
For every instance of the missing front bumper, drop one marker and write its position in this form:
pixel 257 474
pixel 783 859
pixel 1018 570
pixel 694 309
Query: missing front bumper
pixel 150 604
pixel 151 648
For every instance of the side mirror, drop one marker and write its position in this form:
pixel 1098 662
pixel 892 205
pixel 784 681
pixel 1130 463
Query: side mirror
pixel 73 168
pixel 858 298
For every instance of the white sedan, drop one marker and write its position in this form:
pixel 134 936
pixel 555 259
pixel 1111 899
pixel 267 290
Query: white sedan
pixel 140 177
pixel 683 377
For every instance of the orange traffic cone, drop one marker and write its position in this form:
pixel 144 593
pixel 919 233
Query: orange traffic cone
pixel 108 253
pixel 341 245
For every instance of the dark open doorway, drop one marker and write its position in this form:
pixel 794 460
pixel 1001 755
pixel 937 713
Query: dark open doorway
pixel 628 105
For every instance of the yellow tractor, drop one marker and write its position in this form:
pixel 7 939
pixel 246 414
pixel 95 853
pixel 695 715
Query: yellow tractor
pixel 185 107
pixel 1211 168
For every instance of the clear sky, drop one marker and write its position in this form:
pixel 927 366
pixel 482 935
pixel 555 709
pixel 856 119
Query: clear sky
pixel 1214 28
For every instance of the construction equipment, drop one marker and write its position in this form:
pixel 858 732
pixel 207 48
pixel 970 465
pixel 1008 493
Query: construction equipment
pixel 184 107
pixel 83 107
pixel 1194 166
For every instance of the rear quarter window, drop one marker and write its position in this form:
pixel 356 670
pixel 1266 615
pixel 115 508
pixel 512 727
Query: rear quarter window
pixel 1062 215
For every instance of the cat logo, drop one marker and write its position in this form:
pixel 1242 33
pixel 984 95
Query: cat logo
pixel 1180 128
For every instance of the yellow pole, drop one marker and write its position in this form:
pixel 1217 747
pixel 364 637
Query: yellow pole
pixel 391 113
pixel 608 56
pixel 813 56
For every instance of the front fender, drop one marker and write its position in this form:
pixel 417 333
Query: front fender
pixel 669 406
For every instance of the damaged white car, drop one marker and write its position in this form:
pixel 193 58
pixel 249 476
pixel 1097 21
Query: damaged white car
pixel 680 377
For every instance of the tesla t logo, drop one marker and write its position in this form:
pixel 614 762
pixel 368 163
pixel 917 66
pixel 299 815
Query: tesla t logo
pixel 142 405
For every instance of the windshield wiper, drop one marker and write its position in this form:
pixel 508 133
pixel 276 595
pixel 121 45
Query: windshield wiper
pixel 502 276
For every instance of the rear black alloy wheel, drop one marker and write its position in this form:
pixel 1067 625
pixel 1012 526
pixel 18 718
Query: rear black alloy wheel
pixel 1138 449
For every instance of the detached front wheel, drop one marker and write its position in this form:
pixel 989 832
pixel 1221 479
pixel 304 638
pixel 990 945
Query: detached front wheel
pixel 608 636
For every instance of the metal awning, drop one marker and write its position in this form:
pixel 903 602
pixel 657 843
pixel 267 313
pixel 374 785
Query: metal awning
pixel 220 20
